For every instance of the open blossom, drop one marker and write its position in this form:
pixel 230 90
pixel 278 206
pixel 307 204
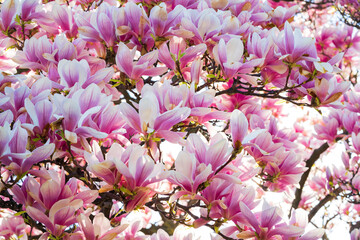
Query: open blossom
pixel 7 15
pixel 230 56
pixel 161 21
pixel 99 25
pixel 293 46
pixel 199 27
pixel 106 168
pixel 13 152
pixel 100 227
pixel 52 201
pixel 148 121
pixel 64 17
pixel 125 119
pixel 177 51
pixel 134 70
pixel 140 172
pixel 137 173
pixel 328 91
pixel 214 153
pixel 189 175
pixel 225 198
pixel 10 226
pixel 268 226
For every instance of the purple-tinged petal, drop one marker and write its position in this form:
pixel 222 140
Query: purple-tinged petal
pixel 249 216
pixel 44 111
pixel 111 234
pixel 173 137
pixel 313 234
pixel 19 139
pixel 7 14
pixel 287 231
pixel 202 176
pixel 131 116
pixel 39 216
pixel 155 71
pixel 50 191
pixel 106 28
pixel 124 59
pixel 86 226
pixel 149 58
pixel 61 16
pixel 90 132
pixel 158 18
pixel 39 154
pixel 289 38
pixel 101 75
pixel 270 217
pixel 5 117
pixel 196 145
pixel 65 216
pixel 87 197
pixel 168 119
pixel 165 57
pixel 239 127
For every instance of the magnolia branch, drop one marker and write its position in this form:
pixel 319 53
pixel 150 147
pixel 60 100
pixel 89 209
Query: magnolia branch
pixel 323 201
pixel 309 163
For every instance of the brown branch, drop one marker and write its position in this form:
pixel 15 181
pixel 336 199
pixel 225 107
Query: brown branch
pixel 354 226
pixel 323 201
pixel 309 163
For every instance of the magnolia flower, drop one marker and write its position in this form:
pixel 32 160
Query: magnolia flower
pixel 135 70
pixel 149 120
pixel 268 226
pixel 230 56
pixel 293 46
pixel 188 174
pixel 8 11
pixel 10 226
pixel 13 152
pixel 99 228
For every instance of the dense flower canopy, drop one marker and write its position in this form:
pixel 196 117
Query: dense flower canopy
pixel 179 119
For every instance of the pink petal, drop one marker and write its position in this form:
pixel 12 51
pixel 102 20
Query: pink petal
pixel 249 216
pixel 39 216
pixel 239 127
pixel 168 119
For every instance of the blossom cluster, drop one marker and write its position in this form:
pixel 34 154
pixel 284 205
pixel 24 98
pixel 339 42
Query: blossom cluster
pixel 93 93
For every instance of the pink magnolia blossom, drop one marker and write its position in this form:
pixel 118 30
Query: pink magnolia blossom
pixel 293 46
pixel 189 175
pixel 328 91
pixel 161 21
pixel 141 171
pixel 200 27
pixel 150 122
pixel 11 226
pixel 134 70
pixel 9 9
pixel 225 199
pixel 268 225
pixel 177 51
pixel 64 18
pixel 230 56
pixel 60 216
pixel 100 227
pixel 13 152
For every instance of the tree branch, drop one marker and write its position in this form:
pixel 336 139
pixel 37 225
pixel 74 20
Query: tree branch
pixel 309 163
pixel 323 201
